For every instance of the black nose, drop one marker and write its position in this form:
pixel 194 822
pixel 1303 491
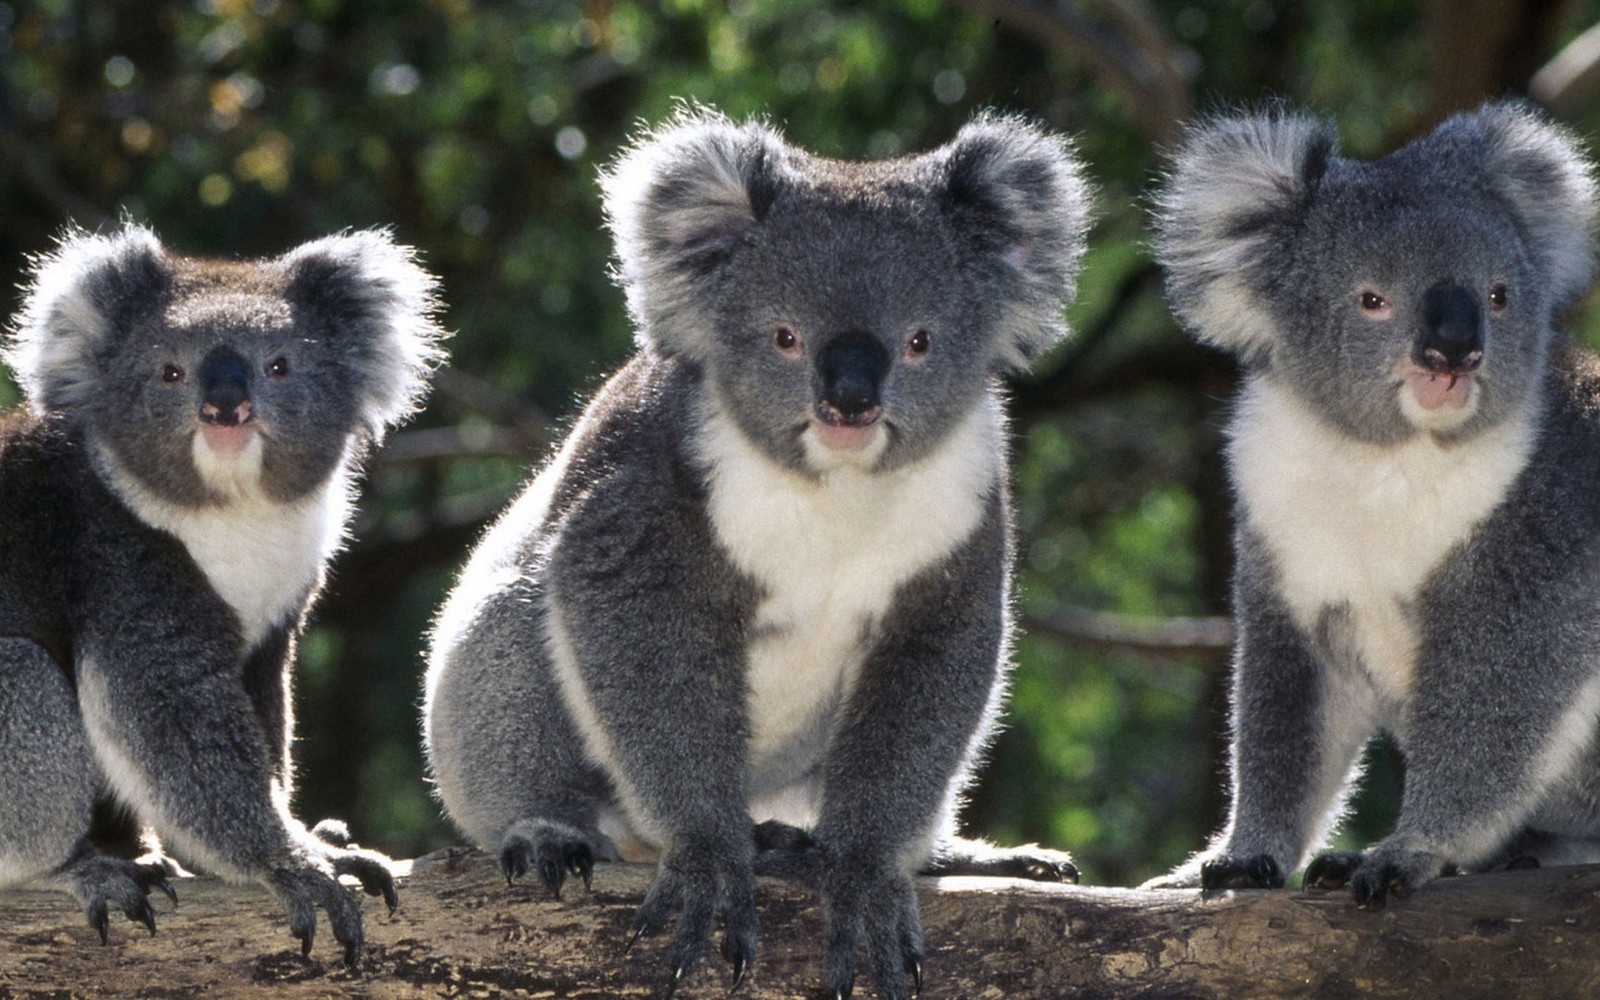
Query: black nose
pixel 852 367
pixel 1452 335
pixel 224 388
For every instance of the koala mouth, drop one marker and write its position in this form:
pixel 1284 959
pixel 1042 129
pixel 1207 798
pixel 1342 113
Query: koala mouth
pixel 845 431
pixel 1440 390
pixel 227 440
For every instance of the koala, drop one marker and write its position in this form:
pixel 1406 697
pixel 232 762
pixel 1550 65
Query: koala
pixel 1414 454
pixel 169 497
pixel 753 616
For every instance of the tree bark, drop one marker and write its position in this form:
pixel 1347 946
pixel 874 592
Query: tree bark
pixel 460 932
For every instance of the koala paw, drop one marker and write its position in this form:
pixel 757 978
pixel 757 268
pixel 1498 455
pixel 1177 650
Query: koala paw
pixel 100 882
pixel 788 852
pixel 552 851
pixel 873 907
pixel 1376 875
pixel 301 889
pixel 1331 870
pixel 1258 871
pixel 699 886
pixel 331 841
pixel 1030 861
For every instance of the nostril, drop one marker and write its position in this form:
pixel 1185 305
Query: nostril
pixel 1434 360
pixel 830 412
pixel 1471 361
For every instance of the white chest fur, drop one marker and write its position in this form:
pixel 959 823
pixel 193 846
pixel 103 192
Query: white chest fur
pixel 830 554
pixel 260 556
pixel 1349 523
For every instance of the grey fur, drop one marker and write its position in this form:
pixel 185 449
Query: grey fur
pixel 1467 624
pixel 594 688
pixel 161 544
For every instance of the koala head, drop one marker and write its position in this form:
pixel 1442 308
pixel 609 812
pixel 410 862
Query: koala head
pixel 846 313
pixel 1410 294
pixel 206 378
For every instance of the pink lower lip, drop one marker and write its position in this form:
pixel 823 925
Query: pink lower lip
pixel 228 441
pixel 844 438
pixel 1436 390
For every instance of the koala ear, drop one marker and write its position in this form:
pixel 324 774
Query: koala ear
pixel 1542 172
pixel 77 302
pixel 678 201
pixel 1236 189
pixel 1021 192
pixel 374 306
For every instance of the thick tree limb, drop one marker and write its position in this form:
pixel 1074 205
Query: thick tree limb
pixel 461 932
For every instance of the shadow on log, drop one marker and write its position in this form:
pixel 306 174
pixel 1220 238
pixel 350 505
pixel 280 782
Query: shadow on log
pixel 460 932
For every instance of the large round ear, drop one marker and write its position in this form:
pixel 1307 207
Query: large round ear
pixel 1237 188
pixel 678 201
pixel 375 306
pixel 1020 193
pixel 1541 171
pixel 76 304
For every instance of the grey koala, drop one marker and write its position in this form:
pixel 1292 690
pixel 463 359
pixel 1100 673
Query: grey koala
pixel 753 617
pixel 171 493
pixel 1414 453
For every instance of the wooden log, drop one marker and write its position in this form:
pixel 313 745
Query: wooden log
pixel 460 932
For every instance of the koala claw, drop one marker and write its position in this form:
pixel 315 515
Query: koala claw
pixel 699 894
pixel 99 882
pixel 1256 872
pixel 372 871
pixel 302 890
pixel 552 854
pixel 875 910
pixel 1331 870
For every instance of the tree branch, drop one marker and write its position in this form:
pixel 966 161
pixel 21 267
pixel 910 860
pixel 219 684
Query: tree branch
pixel 460 932
pixel 1211 636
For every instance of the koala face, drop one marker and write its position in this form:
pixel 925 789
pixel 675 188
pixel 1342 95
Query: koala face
pixel 1413 294
pixel 207 380
pixel 866 350
pixel 846 314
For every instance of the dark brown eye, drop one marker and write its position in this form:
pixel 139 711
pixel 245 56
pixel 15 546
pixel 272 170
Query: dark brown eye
pixel 278 368
pixel 1497 298
pixel 1373 302
pixel 172 374
pixel 918 344
pixel 786 340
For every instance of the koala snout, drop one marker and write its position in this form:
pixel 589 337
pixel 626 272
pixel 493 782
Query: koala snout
pixel 851 367
pixel 1451 342
pixel 224 389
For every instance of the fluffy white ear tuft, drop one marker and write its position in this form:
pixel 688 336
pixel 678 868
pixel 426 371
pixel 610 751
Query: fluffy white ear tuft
pixel 678 201
pixel 379 304
pixel 1021 192
pixel 1236 188
pixel 76 302
pixel 1541 170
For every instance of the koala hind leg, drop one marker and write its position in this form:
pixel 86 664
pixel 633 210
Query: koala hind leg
pixel 48 782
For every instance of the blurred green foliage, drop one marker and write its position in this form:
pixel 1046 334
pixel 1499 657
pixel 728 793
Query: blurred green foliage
pixel 241 127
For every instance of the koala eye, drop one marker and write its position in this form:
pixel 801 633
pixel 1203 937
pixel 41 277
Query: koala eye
pixel 786 341
pixel 1497 298
pixel 278 368
pixel 1375 305
pixel 917 344
pixel 172 374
